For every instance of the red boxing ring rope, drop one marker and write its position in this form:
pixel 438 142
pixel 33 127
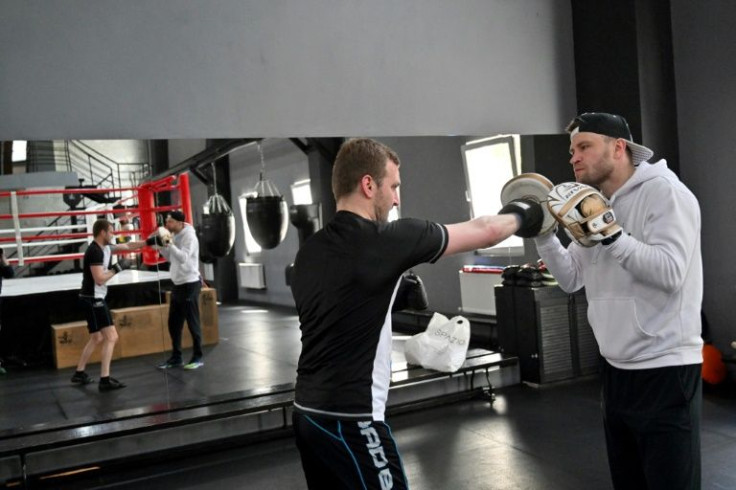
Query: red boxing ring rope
pixel 145 209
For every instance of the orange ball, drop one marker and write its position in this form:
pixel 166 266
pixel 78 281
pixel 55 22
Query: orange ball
pixel 714 369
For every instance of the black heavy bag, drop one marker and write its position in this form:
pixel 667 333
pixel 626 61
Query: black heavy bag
pixel 218 227
pixel 267 219
pixel 306 219
pixel 204 254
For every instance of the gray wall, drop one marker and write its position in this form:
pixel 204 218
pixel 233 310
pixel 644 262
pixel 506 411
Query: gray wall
pixel 106 69
pixel 705 49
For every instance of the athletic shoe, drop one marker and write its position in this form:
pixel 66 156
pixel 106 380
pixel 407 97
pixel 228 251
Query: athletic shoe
pixel 82 378
pixel 194 365
pixel 112 384
pixel 171 363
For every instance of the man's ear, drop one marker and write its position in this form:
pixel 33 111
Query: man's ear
pixel 619 148
pixel 367 186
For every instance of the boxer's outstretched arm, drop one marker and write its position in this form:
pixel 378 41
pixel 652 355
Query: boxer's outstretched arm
pixel 129 246
pixel 481 232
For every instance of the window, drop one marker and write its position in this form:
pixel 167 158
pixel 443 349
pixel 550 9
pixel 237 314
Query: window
pixel 19 151
pixel 395 212
pixel 301 193
pixel 489 164
pixel 393 215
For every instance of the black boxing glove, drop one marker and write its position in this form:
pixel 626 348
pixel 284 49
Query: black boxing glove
pixel 530 214
pixel 155 239
pixel 116 267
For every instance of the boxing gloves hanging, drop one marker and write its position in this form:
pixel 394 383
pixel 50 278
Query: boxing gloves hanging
pixel 584 213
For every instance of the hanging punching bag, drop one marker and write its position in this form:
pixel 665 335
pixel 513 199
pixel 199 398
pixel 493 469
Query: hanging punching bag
pixel 218 228
pixel 307 220
pixel 267 214
pixel 204 255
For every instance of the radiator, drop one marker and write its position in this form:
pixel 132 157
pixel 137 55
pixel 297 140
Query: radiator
pixel 252 276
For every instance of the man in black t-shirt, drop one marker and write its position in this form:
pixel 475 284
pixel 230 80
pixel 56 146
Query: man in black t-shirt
pixel 96 271
pixel 344 283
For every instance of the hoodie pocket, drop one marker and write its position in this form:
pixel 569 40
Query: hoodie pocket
pixel 617 329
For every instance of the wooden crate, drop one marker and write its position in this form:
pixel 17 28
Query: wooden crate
pixel 142 329
pixel 69 340
pixel 208 316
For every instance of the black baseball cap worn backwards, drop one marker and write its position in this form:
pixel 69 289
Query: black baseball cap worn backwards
pixel 611 125
pixel 177 215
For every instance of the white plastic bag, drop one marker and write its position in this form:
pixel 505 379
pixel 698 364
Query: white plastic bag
pixel 442 347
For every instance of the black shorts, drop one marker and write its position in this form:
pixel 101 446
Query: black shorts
pixel 96 312
pixel 348 454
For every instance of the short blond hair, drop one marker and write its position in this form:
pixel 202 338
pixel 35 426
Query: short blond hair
pixel 358 157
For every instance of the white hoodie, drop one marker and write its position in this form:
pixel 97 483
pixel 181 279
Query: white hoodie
pixel 183 254
pixel 645 290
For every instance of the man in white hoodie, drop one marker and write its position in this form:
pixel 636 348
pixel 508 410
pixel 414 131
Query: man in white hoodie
pixel 183 254
pixel 644 287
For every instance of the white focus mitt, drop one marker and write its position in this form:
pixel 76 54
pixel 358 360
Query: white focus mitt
pixel 159 238
pixel 584 213
pixel 530 188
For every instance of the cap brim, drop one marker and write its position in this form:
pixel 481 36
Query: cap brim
pixel 639 153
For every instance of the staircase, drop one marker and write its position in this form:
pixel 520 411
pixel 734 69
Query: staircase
pixel 95 171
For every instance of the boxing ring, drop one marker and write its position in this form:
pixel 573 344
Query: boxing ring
pixel 33 301
pixel 25 286
pixel 142 207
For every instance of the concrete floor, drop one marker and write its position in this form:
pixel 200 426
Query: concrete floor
pixel 532 438
pixel 547 437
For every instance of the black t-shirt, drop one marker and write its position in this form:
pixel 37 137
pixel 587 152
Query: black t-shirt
pixel 344 283
pixel 6 271
pixel 95 255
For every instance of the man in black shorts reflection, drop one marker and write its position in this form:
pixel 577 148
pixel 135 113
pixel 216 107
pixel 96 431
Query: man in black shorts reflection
pixel 97 270
pixel 344 284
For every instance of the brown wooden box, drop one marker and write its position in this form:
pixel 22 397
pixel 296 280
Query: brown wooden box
pixel 69 340
pixel 142 329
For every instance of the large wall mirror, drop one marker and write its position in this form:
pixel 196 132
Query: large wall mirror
pixel 250 328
